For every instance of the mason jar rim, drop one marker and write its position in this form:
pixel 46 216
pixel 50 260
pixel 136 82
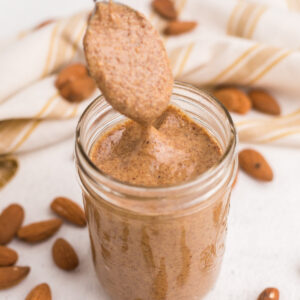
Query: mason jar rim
pixel 138 189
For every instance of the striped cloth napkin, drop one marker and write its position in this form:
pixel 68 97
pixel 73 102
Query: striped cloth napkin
pixel 246 43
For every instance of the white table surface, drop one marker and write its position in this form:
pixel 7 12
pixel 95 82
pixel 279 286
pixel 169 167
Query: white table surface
pixel 263 245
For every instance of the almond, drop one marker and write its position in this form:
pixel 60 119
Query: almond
pixel 8 256
pixel 40 292
pixel 244 103
pixel 69 210
pixel 78 90
pixel 234 99
pixel 264 102
pixel 11 220
pixel 10 276
pixel 39 231
pixel 179 27
pixel 74 83
pixel 64 255
pixel 269 294
pixel 228 97
pixel 165 8
pixel 71 73
pixel 254 164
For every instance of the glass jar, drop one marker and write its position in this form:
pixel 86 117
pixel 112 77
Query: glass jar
pixel 158 243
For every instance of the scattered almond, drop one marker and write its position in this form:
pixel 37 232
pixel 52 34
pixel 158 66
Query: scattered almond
pixel 8 257
pixel 244 103
pixel 39 231
pixel 165 8
pixel 11 220
pixel 179 27
pixel 69 210
pixel 79 90
pixel 64 255
pixel 10 276
pixel 74 83
pixel 71 73
pixel 228 97
pixel 269 294
pixel 233 99
pixel 254 164
pixel 40 292
pixel 264 102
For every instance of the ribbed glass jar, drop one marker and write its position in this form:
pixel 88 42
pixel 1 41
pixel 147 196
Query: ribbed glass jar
pixel 158 243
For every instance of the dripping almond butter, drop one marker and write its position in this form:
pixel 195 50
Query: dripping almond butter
pixel 156 188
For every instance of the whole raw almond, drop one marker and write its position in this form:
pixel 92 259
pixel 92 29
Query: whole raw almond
pixel 78 90
pixel 179 27
pixel 10 276
pixel 74 83
pixel 165 8
pixel 70 73
pixel 64 255
pixel 269 294
pixel 69 210
pixel 11 220
pixel 244 103
pixel 254 164
pixel 40 292
pixel 39 231
pixel 233 99
pixel 8 256
pixel 228 97
pixel 264 102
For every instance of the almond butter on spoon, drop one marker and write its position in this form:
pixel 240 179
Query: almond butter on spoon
pixel 127 59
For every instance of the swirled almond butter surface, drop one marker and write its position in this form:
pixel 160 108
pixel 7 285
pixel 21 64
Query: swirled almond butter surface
pixel 174 150
pixel 127 58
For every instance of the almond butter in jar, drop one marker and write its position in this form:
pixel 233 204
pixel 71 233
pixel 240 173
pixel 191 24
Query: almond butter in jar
pixel 158 243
